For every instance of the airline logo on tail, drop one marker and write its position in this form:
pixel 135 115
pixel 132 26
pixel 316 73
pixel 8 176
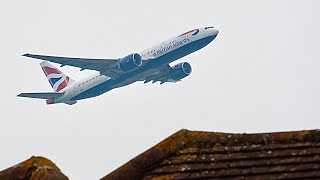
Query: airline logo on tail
pixel 56 78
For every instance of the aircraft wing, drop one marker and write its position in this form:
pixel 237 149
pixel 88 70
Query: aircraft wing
pixel 106 67
pixel 162 77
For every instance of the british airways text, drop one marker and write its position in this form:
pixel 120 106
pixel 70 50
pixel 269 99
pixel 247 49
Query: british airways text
pixel 171 46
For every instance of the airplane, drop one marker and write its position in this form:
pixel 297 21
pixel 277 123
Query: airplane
pixel 149 65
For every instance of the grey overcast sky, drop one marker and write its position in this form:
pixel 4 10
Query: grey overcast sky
pixel 261 74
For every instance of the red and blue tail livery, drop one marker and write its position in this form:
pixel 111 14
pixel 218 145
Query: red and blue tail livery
pixel 56 78
pixel 150 65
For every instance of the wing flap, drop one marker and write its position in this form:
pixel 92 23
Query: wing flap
pixel 42 95
pixel 162 76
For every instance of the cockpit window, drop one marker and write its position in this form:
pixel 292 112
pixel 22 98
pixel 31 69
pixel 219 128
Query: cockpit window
pixel 211 27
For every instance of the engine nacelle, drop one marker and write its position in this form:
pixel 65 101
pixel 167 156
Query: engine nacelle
pixel 180 71
pixel 130 62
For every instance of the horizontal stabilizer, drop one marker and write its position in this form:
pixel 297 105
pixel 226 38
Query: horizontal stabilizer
pixel 44 95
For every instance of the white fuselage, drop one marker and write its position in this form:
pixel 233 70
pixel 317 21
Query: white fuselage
pixel 152 53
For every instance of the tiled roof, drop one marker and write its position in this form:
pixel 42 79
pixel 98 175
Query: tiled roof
pixel 210 155
pixel 35 168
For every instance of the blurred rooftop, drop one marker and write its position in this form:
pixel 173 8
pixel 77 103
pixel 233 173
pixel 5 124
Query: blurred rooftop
pixel 212 155
pixel 205 155
pixel 34 168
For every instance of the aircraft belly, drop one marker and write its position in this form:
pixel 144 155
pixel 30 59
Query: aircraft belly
pixel 134 77
pixel 148 69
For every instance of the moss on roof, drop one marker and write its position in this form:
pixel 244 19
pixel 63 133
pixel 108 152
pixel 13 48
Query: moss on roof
pixel 34 168
pixel 193 153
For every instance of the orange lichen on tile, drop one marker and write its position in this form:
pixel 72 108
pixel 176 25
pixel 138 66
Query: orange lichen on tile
pixel 214 155
pixel 35 168
pixel 39 162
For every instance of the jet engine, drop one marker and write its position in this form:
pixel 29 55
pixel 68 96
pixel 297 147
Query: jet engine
pixel 180 71
pixel 130 62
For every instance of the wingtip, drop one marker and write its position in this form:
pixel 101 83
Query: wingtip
pixel 26 55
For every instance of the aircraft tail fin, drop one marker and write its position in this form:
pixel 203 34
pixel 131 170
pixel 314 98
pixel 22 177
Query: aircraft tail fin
pixel 56 78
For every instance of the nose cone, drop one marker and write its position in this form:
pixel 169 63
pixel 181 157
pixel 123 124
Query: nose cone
pixel 214 32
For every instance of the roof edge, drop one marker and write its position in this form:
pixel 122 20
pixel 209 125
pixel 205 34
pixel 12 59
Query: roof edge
pixel 184 138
